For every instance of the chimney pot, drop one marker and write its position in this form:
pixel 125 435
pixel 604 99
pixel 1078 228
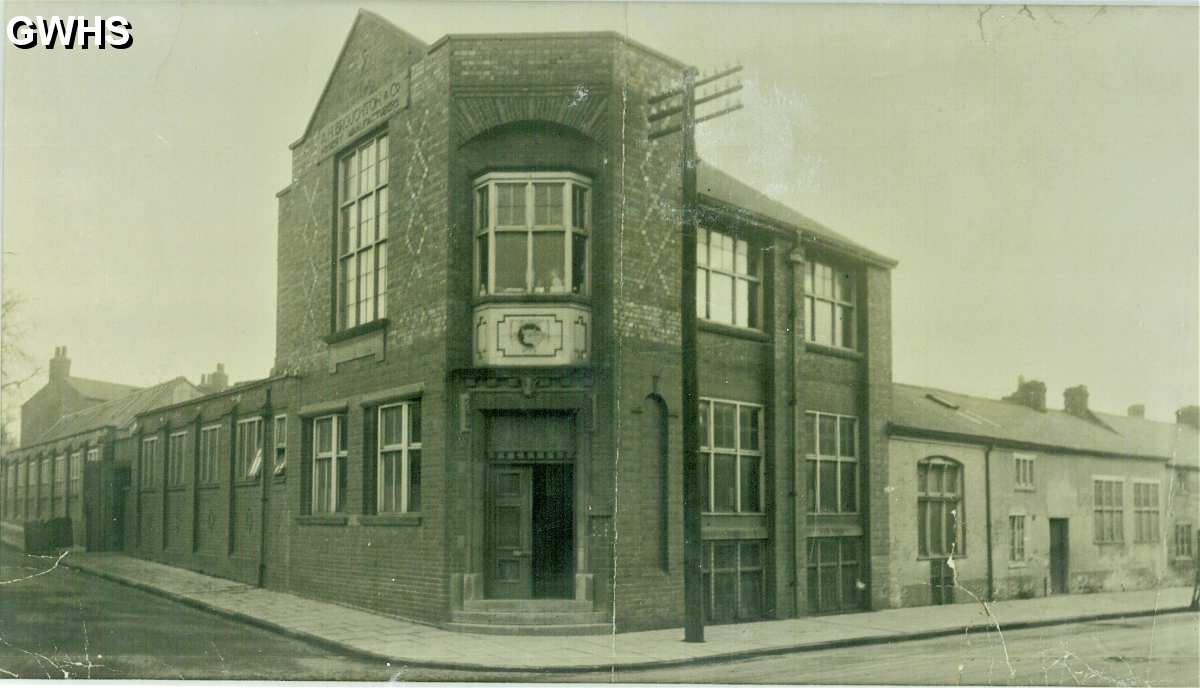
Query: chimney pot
pixel 60 365
pixel 1075 400
pixel 1137 411
pixel 1031 393
pixel 1188 415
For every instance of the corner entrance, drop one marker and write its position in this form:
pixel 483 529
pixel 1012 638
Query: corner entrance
pixel 530 533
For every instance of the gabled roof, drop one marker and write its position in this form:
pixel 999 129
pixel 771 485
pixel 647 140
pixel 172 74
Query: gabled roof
pixel 120 412
pixel 925 409
pixel 99 389
pixel 724 188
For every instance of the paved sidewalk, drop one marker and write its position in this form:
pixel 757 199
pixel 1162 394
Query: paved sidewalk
pixel 402 642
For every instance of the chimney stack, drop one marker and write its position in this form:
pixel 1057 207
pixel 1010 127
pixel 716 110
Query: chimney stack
pixel 1137 411
pixel 1031 393
pixel 60 365
pixel 1075 401
pixel 1188 415
pixel 216 381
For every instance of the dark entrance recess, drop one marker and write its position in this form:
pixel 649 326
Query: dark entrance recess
pixel 531 506
pixel 941 581
pixel 1059 553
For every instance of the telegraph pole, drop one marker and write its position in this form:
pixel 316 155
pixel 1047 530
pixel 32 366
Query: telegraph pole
pixel 693 491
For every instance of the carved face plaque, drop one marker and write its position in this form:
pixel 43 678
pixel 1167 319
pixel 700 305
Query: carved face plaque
pixel 530 335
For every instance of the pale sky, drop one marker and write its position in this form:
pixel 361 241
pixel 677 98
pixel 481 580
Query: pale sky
pixel 1035 173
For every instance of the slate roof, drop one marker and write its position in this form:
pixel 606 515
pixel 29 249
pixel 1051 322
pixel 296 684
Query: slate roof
pixel 940 411
pixel 120 412
pixel 99 389
pixel 722 187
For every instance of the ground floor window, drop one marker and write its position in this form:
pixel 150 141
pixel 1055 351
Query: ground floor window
pixel 399 459
pixel 1016 545
pixel 329 464
pixel 834 577
pixel 1183 540
pixel 734 589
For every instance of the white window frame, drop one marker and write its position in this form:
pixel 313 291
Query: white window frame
pixel 248 466
pixel 176 447
pixel 1151 510
pixel 1188 541
pixel 279 437
pixel 353 245
pixel 842 308
pixel 93 454
pixel 210 454
pixel 708 453
pixel 1118 510
pixel 60 473
pixel 1024 477
pixel 749 275
pixel 813 419
pixel 148 478
pixel 404 447
pixel 1016 538
pixel 569 181
pixel 336 454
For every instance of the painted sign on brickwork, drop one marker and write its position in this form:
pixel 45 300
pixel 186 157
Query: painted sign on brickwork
pixel 386 100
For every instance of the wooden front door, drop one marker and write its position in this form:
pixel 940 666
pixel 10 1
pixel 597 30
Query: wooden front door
pixel 510 548
pixel 1059 553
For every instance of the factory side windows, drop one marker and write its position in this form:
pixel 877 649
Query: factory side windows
pixel 531 233
pixel 829 300
pixel 362 232
pixel 728 279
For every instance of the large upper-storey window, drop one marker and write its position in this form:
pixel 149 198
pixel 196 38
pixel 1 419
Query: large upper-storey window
pixel 727 279
pixel 832 457
pixel 829 306
pixel 531 233
pixel 362 233
pixel 731 456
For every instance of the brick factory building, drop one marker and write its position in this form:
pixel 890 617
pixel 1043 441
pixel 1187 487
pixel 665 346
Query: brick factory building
pixel 474 416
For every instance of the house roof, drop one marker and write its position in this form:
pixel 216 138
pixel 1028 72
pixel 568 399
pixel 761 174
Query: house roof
pixel 99 389
pixel 723 187
pixel 926 409
pixel 119 412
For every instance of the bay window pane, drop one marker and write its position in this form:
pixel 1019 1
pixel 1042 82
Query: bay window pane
pixel 722 245
pixel 724 483
pixel 510 205
pixel 828 480
pixel 579 206
pixel 720 294
pixel 579 252
pixel 510 261
pixel 844 287
pixel 748 466
pixel 481 207
pixel 482 252
pixel 549 256
pixel 823 322
pixel 808 277
pixel 741 249
pixel 547 204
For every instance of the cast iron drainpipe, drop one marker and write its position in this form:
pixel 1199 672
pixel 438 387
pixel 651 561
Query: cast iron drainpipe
pixel 987 505
pixel 265 477
pixel 797 519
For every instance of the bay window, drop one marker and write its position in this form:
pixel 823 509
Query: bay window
pixel 728 279
pixel 362 233
pixel 531 233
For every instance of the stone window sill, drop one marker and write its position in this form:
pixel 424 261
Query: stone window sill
pixel 323 520
pixel 733 331
pixel 357 330
pixel 533 298
pixel 833 351
pixel 395 520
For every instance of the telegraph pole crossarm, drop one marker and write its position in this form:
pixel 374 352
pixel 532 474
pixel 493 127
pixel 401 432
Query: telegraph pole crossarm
pixel 693 492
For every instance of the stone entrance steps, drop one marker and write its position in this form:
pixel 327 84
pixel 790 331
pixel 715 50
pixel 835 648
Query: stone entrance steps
pixel 529 617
